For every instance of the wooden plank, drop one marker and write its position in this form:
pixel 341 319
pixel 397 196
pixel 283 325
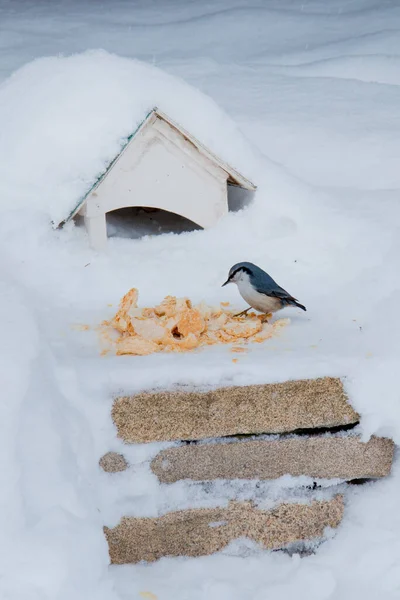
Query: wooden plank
pixel 270 408
pixel 199 532
pixel 318 457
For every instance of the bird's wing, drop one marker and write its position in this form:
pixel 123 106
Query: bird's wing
pixel 276 292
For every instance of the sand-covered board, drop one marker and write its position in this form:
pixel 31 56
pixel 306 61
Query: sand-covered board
pixel 200 532
pixel 323 457
pixel 196 414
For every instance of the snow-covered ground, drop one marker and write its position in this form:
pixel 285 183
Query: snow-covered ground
pixel 304 98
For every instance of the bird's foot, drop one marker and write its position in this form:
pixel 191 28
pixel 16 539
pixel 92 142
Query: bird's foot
pixel 244 312
pixel 266 317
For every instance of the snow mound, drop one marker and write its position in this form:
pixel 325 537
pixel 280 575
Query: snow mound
pixel 63 119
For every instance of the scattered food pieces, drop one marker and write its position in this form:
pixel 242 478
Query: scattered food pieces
pixel 136 345
pixel 176 325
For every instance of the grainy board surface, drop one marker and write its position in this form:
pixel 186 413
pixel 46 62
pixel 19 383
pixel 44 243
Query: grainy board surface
pixel 199 532
pixel 317 456
pixel 196 415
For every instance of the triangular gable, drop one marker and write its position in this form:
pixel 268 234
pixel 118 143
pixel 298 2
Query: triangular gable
pixel 234 177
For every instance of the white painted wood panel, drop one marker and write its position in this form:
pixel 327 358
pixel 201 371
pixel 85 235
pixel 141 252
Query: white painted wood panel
pixel 162 179
pixel 156 173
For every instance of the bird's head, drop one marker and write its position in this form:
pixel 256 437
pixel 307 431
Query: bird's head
pixel 240 272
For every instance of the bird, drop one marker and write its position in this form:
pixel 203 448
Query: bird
pixel 259 290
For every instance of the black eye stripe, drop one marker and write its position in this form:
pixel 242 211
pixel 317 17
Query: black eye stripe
pixel 244 269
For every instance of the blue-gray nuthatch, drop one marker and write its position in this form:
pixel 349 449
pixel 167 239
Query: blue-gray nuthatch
pixel 259 290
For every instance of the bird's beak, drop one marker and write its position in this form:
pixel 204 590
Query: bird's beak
pixel 227 281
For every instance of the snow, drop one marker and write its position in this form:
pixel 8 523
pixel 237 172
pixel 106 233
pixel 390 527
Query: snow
pixel 301 97
pixel 47 515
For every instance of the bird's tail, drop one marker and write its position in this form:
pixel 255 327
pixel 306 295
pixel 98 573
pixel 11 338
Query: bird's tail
pixel 295 303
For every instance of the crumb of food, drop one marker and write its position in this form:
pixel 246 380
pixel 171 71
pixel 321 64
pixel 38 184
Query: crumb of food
pixel 176 325
pixel 81 327
pixel 148 595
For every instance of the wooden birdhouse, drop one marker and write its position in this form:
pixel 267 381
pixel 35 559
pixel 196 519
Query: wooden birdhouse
pixel 161 166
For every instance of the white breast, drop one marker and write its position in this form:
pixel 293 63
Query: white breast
pixel 260 302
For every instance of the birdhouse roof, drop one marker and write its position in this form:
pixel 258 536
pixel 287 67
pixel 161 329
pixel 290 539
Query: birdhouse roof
pixel 233 176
